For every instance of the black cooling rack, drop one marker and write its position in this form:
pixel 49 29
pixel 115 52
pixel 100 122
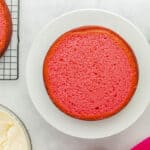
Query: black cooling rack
pixel 9 63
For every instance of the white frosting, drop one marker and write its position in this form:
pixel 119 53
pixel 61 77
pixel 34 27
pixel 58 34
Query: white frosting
pixel 12 135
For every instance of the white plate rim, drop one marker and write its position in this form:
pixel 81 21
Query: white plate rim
pixel 146 102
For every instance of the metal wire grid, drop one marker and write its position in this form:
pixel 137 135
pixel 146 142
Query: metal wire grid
pixel 9 63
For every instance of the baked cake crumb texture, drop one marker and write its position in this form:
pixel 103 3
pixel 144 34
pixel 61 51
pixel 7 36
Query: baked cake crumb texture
pixel 90 73
pixel 5 27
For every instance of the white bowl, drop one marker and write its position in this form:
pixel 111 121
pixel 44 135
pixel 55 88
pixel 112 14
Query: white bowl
pixel 39 96
pixel 19 122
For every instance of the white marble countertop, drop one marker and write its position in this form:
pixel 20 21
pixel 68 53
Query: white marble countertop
pixel 13 94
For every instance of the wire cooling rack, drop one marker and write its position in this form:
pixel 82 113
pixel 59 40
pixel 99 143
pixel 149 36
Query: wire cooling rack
pixel 9 63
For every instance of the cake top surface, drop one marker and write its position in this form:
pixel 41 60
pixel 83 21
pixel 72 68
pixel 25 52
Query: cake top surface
pixel 90 73
pixel 5 26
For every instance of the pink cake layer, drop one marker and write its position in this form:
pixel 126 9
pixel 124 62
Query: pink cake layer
pixel 90 73
pixel 5 27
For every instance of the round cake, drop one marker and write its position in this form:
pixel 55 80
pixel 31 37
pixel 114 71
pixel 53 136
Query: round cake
pixel 90 73
pixel 5 27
